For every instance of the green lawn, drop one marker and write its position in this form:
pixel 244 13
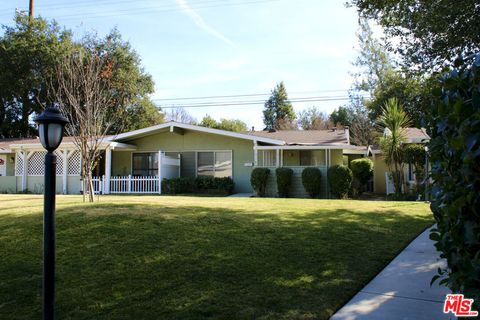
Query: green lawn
pixel 157 257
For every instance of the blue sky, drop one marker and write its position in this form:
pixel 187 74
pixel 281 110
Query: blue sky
pixel 211 47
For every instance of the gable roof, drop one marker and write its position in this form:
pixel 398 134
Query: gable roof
pixel 416 135
pixel 172 124
pixel 307 137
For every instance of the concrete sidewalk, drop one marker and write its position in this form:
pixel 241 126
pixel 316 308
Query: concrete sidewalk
pixel 402 290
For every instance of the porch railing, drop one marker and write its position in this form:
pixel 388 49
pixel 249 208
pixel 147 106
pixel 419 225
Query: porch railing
pixel 126 184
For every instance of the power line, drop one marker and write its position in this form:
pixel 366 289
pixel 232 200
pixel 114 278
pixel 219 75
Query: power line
pixel 243 95
pixel 154 9
pixel 252 103
pixel 303 99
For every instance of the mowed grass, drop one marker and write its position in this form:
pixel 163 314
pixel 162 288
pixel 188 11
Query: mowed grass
pixel 155 257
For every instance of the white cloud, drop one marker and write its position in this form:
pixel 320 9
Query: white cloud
pixel 199 21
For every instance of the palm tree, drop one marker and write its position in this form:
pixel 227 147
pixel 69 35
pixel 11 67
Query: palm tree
pixel 394 119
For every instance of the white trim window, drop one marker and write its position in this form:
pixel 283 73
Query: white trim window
pixel 214 164
pixel 145 164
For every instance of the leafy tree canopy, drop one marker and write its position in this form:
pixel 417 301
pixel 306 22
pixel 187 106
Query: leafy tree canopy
pixel 431 33
pixel 29 54
pixel 278 112
pixel 313 119
pixel 343 116
pixel 234 125
pixel 379 77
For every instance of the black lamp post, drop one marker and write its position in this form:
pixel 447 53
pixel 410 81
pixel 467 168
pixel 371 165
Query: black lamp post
pixel 50 130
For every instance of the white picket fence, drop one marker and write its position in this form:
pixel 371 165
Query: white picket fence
pixel 126 184
pixel 169 167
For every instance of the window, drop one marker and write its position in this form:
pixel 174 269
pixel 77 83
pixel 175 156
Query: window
pixel 305 157
pixel 411 176
pixel 214 164
pixel 269 158
pixel 223 164
pixel 205 164
pixel 145 164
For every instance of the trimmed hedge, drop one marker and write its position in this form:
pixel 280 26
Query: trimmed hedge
pixel 340 180
pixel 208 185
pixel 258 180
pixel 311 180
pixel 362 170
pixel 284 181
pixel 454 124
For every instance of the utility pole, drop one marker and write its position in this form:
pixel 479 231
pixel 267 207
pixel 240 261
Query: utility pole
pixel 30 9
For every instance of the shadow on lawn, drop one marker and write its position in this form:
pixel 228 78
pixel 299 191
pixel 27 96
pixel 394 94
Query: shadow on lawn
pixel 151 262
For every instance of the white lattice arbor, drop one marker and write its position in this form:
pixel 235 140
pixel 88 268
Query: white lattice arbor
pixel 30 162
pixel 74 163
pixel 36 166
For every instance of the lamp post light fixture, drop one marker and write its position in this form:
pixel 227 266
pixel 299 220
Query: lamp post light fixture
pixel 50 130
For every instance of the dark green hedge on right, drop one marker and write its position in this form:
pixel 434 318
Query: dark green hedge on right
pixel 454 150
pixel 284 181
pixel 340 180
pixel 312 180
pixel 258 180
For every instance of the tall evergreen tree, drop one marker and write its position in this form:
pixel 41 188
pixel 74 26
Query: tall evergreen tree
pixel 278 112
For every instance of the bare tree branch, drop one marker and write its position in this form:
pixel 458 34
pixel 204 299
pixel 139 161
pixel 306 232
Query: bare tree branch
pixel 85 95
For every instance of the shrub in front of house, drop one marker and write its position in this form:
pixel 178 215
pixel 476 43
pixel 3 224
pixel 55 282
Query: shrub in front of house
pixel 311 180
pixel 178 185
pixel 362 170
pixel 340 180
pixel 202 185
pixel 214 185
pixel 284 181
pixel 454 152
pixel 258 180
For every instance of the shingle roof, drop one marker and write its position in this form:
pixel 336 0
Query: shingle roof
pixel 5 143
pixel 306 137
pixel 416 134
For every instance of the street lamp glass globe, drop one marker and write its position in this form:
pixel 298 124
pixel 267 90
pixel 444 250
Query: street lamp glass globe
pixel 50 128
pixel 50 135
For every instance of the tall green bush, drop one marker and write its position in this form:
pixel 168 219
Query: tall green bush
pixel 311 180
pixel 258 180
pixel 455 157
pixel 340 180
pixel 362 170
pixel 284 181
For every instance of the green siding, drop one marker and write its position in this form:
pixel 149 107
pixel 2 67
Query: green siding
pixel 35 184
pixel 336 157
pixel 73 184
pixel 242 152
pixel 8 184
pixel 291 158
pixel 10 165
pixel 121 163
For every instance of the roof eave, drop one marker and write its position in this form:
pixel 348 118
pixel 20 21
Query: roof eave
pixel 153 129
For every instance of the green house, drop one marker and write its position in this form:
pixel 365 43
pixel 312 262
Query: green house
pixel 136 161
